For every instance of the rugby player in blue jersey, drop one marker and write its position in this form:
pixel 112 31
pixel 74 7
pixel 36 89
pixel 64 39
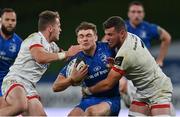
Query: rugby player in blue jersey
pixel 147 31
pixel 10 42
pixel 95 55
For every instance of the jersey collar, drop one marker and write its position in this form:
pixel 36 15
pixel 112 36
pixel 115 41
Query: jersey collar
pixel 43 37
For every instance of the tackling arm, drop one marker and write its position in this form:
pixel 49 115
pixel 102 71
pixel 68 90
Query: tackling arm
pixel 106 84
pixel 165 42
pixel 42 56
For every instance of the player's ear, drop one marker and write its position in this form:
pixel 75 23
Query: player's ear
pixel 50 28
pixel 78 41
pixel 122 33
pixel 96 38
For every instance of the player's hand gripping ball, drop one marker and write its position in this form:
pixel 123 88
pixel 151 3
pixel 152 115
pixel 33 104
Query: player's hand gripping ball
pixel 78 64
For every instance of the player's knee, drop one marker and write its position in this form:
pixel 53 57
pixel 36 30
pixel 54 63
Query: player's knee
pixel 91 111
pixel 21 107
pixel 76 112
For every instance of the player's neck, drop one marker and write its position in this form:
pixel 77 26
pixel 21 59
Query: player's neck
pixel 134 25
pixel 5 36
pixel 91 51
pixel 46 35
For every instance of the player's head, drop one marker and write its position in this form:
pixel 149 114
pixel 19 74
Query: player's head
pixel 115 30
pixel 86 35
pixel 8 21
pixel 136 12
pixel 49 21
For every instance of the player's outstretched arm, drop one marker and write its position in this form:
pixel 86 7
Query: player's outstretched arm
pixel 106 84
pixel 165 42
pixel 61 83
pixel 42 56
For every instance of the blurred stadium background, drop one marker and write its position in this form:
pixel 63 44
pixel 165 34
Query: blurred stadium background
pixel 72 12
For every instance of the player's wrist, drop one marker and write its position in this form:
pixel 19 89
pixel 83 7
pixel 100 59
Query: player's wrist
pixel 71 80
pixel 61 55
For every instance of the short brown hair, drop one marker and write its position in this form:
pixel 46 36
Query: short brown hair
pixel 115 21
pixel 136 3
pixel 86 26
pixel 7 10
pixel 45 18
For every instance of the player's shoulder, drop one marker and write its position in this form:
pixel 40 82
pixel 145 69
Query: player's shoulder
pixel 149 24
pixel 103 45
pixel 17 38
pixel 34 36
pixel 129 43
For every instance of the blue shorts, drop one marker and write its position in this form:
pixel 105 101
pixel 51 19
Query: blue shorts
pixel 114 102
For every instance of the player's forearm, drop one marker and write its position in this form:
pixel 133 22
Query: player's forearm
pixel 101 86
pixel 45 57
pixel 166 40
pixel 62 85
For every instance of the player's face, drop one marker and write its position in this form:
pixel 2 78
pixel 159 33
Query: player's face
pixel 55 30
pixel 112 37
pixel 87 39
pixel 8 21
pixel 136 14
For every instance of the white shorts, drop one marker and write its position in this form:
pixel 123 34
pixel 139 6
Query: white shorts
pixel 12 81
pixel 164 94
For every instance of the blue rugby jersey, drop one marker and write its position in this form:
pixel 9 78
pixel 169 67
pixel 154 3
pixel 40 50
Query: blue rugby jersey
pixel 97 69
pixel 146 31
pixel 9 49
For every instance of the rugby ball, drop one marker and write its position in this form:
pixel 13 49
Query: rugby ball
pixel 80 63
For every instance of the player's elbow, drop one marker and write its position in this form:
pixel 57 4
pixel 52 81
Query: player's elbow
pixel 167 38
pixel 57 88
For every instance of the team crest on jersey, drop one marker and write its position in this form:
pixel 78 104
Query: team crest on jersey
pixel 12 47
pixel 103 57
pixel 119 60
pixel 143 34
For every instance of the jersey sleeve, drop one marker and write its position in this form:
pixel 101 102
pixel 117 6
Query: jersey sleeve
pixel 35 41
pixel 63 71
pixel 121 62
pixel 154 31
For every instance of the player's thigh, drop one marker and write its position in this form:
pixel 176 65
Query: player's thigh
pixel 100 109
pixel 3 102
pixel 162 109
pixel 17 97
pixel 77 112
pixel 35 108
pixel 138 108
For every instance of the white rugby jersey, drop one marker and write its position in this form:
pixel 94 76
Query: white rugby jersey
pixel 135 62
pixel 25 65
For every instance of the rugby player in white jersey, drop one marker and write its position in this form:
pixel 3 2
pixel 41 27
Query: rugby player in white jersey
pixel 36 52
pixel 133 60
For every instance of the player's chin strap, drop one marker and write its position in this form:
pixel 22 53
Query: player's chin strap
pixel 86 91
